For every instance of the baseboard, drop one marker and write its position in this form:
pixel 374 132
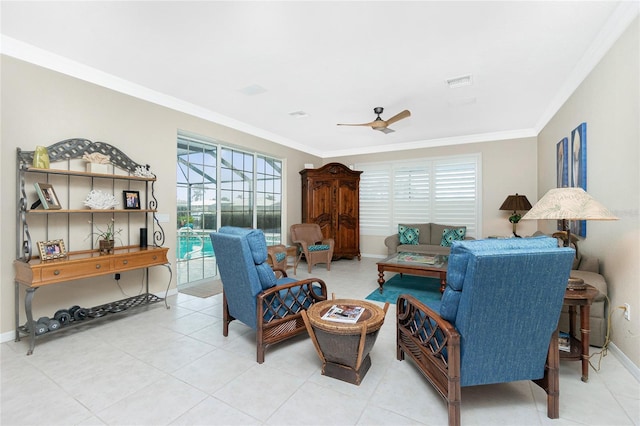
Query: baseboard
pixel 11 335
pixel 374 256
pixel 625 361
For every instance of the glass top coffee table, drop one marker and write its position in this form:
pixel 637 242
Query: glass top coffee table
pixel 425 265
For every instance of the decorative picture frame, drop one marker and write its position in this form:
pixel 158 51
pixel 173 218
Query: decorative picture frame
pixel 562 163
pixel 47 196
pixel 131 200
pixel 562 168
pixel 52 249
pixel 579 170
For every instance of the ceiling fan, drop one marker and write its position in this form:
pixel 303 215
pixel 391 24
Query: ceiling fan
pixel 380 124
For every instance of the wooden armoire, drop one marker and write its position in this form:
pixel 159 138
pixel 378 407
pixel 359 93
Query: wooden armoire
pixel 331 198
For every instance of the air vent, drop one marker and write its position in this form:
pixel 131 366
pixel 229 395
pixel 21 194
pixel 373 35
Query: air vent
pixel 456 82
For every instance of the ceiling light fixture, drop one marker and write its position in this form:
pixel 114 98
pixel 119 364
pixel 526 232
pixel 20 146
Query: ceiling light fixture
pixel 462 81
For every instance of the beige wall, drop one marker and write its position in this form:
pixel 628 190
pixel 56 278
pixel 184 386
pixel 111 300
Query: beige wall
pixel 608 102
pixel 508 167
pixel 41 107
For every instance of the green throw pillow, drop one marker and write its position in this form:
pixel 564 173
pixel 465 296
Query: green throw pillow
pixel 451 235
pixel 408 235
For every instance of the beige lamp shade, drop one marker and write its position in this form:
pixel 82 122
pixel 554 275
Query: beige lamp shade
pixel 568 204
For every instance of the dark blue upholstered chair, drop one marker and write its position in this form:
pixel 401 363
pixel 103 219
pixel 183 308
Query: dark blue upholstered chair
pixel 496 322
pixel 253 295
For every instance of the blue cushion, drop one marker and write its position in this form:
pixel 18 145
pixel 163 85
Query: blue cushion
pixel 280 256
pixel 408 235
pixel 258 245
pixel 449 304
pixel 451 235
pixel 266 276
pixel 319 247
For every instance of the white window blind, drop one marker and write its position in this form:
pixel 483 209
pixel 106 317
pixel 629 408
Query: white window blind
pixel 440 190
pixel 375 198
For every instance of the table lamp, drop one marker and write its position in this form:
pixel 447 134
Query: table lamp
pixel 568 204
pixel 515 203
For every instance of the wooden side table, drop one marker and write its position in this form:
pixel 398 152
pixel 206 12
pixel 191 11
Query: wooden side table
pixel 344 348
pixel 579 350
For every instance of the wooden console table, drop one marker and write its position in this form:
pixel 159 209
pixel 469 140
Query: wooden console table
pixel 36 273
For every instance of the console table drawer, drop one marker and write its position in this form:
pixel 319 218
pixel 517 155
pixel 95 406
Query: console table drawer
pixel 140 259
pixel 64 272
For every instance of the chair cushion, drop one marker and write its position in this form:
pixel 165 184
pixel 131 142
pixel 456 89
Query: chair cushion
pixel 266 275
pixel 408 235
pixel 257 245
pixel 280 256
pixel 451 235
pixel 319 247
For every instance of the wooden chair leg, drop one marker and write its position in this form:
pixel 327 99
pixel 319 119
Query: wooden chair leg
pixel 550 382
pixel 552 371
pixel 225 316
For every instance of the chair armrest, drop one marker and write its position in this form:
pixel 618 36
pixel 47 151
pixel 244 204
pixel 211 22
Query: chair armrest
pixel 280 273
pixel 392 242
pixel 302 244
pixel 289 299
pixel 329 242
pixel 589 264
pixel 432 342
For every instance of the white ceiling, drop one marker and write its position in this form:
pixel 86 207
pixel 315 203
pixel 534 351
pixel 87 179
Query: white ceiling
pixel 335 61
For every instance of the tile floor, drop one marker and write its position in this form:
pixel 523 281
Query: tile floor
pixel 174 367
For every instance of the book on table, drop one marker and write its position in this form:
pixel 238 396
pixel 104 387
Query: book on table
pixel 427 259
pixel 564 342
pixel 343 313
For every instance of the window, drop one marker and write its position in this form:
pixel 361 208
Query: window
pixel 218 186
pixel 439 190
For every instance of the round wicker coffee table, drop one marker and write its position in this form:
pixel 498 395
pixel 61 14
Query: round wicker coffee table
pixel 342 347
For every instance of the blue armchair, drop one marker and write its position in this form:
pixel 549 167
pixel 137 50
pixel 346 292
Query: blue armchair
pixel 496 322
pixel 253 295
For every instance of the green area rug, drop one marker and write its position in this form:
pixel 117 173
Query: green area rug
pixel 202 290
pixel 425 289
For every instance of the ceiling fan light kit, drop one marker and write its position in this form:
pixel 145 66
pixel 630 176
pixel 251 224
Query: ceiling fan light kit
pixel 380 124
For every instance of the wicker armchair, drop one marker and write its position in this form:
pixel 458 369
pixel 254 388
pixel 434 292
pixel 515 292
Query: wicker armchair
pixel 312 245
pixel 277 258
pixel 253 294
pixel 497 320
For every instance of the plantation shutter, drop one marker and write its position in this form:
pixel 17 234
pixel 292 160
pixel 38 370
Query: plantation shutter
pixel 442 190
pixel 375 199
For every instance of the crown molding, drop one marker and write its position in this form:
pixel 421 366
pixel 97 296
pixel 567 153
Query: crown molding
pixel 40 57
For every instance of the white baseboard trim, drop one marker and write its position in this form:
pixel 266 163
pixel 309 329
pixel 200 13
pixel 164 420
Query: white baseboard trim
pixel 625 361
pixel 11 335
pixel 375 256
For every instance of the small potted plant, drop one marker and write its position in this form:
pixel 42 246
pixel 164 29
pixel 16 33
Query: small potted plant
pixel 105 238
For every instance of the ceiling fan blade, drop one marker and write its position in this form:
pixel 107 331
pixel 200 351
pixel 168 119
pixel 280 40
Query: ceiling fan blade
pixel 384 130
pixel 361 124
pixel 404 114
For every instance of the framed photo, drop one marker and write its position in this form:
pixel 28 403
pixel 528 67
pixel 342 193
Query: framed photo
pixel 47 196
pixel 131 200
pixel 53 249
